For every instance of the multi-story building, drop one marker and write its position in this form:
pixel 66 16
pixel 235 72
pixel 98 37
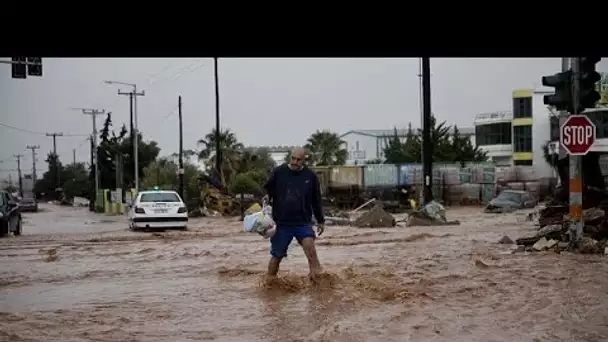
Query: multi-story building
pixel 518 137
pixel 367 145
pixel 494 135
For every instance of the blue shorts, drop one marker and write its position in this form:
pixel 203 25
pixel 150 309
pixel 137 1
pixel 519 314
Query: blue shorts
pixel 279 242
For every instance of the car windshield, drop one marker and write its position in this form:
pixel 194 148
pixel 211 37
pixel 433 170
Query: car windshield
pixel 509 196
pixel 159 197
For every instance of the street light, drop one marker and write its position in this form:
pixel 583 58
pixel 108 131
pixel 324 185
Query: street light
pixel 134 96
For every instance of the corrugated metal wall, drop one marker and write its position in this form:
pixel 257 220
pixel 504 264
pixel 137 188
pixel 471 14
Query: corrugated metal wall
pixel 385 175
pixel 342 176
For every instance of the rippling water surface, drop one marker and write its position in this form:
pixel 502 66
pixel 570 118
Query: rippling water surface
pixel 77 276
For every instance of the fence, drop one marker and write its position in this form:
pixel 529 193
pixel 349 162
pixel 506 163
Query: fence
pixel 452 184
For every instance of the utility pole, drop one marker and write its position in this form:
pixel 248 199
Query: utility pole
pixel 576 165
pixel 218 151
pixel 34 148
pixel 427 145
pixel 136 129
pixel 181 149
pixel 135 126
pixel 19 156
pixel 92 156
pixel 93 113
pixel 134 138
pixel 55 135
pixel 74 156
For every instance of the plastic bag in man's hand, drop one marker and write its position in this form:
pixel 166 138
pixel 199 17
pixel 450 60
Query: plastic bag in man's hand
pixel 260 222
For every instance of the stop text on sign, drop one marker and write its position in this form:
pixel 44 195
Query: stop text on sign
pixel 578 135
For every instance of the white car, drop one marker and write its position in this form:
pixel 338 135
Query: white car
pixel 158 209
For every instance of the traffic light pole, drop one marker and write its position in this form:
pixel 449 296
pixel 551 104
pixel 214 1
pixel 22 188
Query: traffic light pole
pixel 576 161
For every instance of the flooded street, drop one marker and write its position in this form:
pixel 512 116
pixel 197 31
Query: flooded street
pixel 79 276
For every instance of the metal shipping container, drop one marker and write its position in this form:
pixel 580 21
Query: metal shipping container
pixel 412 174
pixel 342 176
pixel 385 175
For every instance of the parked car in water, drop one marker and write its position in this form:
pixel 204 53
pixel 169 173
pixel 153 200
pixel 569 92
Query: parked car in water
pixel 10 214
pixel 28 203
pixel 509 200
pixel 158 209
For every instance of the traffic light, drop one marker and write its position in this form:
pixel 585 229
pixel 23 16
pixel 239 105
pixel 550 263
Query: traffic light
pixel 18 68
pixel 562 82
pixel 34 69
pixel 588 79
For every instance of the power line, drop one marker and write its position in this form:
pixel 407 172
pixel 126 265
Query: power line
pixel 38 133
pixel 152 79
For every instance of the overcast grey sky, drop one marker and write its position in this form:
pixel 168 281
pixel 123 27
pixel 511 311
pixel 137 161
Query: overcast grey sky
pixel 264 101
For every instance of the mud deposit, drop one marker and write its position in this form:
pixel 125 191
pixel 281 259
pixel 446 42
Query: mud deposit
pixel 70 281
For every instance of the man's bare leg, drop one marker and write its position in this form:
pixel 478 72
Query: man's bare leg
pixel 308 245
pixel 273 267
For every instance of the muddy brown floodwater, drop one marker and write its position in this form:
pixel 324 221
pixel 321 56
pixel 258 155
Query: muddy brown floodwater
pixel 104 283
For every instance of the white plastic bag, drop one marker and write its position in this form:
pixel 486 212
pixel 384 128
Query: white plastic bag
pixel 260 222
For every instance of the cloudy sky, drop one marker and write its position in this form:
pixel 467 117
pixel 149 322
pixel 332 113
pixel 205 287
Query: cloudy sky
pixel 264 101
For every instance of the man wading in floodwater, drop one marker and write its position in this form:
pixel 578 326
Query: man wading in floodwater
pixel 295 195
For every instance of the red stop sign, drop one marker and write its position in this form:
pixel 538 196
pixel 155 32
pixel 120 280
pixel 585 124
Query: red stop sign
pixel 577 135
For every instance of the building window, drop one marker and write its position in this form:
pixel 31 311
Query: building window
pixel 522 107
pixel 522 138
pixel 493 134
pixel 523 162
pixel 357 155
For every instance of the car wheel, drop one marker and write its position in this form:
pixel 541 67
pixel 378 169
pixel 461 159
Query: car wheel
pixel 18 228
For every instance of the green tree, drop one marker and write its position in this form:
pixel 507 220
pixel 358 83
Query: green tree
pixel 394 151
pixel 463 150
pixel 113 147
pixel 326 149
pixel 412 146
pixel 244 183
pixel 448 146
pixel 163 173
pixel 231 150
pixel 76 181
pixel 255 159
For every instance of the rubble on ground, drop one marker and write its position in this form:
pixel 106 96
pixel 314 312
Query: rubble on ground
pixel 377 217
pixel 505 240
pixel 554 232
pixel 203 212
pixel 432 214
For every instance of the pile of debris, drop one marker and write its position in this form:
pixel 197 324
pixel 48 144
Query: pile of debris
pixel 376 217
pixel 432 214
pixel 554 233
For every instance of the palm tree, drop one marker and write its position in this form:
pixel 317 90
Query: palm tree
pixel 326 148
pixel 231 150
pixel 256 159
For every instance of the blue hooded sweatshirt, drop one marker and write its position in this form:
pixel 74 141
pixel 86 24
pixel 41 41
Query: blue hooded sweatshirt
pixel 295 196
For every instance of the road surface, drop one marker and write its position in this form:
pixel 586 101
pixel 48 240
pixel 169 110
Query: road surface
pixel 78 276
